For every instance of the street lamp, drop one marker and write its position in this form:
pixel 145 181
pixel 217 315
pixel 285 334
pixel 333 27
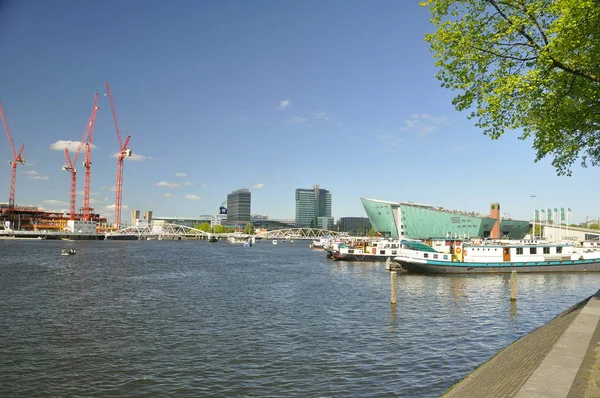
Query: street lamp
pixel 533 229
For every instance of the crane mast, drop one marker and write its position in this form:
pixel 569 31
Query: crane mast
pixel 123 152
pixel 87 211
pixel 69 163
pixel 17 159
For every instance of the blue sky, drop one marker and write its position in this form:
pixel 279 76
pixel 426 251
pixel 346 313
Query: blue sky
pixel 266 95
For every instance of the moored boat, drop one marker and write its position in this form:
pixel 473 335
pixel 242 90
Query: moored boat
pixel 376 250
pixel 502 257
pixel 70 252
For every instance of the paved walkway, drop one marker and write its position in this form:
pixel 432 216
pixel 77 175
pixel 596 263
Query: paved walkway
pixel 560 359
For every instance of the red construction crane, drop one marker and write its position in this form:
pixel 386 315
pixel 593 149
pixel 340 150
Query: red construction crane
pixel 17 158
pixel 69 164
pixel 87 210
pixel 123 152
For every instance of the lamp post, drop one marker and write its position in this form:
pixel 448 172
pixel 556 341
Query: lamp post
pixel 533 229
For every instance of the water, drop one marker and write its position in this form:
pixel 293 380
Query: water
pixel 191 318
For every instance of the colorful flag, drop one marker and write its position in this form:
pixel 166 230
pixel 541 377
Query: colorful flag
pixel 562 214
pixel 537 215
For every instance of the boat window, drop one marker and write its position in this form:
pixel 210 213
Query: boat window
pixel 350 251
pixel 425 255
pixel 435 256
pixel 394 252
pixel 519 250
pixel 559 250
pixel 546 250
pixel 533 250
pixel 381 251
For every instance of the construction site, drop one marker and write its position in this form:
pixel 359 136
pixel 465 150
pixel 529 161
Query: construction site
pixel 76 223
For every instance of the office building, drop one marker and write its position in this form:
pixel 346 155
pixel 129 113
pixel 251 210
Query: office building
pixel 313 208
pixel 238 207
pixel 357 226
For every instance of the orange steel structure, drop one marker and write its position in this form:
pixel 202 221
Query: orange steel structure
pixel 17 159
pixel 87 211
pixel 69 164
pixel 123 152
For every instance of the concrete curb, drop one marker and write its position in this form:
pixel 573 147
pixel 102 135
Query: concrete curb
pixel 555 375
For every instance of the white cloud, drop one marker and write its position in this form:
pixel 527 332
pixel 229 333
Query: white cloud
pixel 168 195
pixel 134 157
pixel 321 115
pixel 113 188
pixel 39 178
pixel 167 184
pixel 189 184
pixel 389 140
pixel 54 202
pixel 204 184
pixel 297 119
pixel 424 122
pixel 285 103
pixel 31 172
pixel 258 186
pixel 193 197
pixel 181 174
pixel 72 146
pixel 110 208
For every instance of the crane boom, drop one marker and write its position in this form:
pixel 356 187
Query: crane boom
pixel 69 164
pixel 87 211
pixel 17 159
pixel 123 152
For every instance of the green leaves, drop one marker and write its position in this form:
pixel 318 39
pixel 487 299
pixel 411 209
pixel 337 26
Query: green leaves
pixel 529 65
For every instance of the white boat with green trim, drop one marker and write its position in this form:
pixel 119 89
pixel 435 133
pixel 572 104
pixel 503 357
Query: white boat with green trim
pixel 502 257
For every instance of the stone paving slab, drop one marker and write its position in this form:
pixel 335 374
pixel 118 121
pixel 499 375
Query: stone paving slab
pixel 507 372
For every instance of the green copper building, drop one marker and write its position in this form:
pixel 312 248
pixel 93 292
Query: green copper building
pixel 416 221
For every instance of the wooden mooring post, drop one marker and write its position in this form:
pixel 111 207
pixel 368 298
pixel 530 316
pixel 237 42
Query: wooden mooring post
pixel 393 283
pixel 513 285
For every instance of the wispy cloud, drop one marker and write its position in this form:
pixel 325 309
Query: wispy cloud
pixel 423 123
pixel 167 184
pixel 113 188
pixel 39 178
pixel 134 156
pixel 285 103
pixel 258 186
pixel 31 172
pixel 181 174
pixel 297 119
pixel 193 197
pixel 168 195
pixel 110 208
pixel 189 184
pixel 72 146
pixel 321 115
pixel 204 184
pixel 34 175
pixel 389 140
pixel 54 202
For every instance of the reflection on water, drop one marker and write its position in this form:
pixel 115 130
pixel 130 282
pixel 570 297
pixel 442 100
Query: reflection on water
pixel 191 318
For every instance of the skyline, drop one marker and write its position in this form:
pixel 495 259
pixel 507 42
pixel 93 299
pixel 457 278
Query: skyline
pixel 266 96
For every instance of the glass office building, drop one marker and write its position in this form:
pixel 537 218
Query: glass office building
pixel 238 207
pixel 313 207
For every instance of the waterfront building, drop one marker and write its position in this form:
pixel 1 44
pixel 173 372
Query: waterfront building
pixel 312 204
pixel 185 221
pixel 417 221
pixel 352 225
pixel 238 207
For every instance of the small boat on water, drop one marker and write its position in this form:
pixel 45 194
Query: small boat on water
pixel 213 239
pixel 274 241
pixel 502 257
pixel 70 252
pixel 372 251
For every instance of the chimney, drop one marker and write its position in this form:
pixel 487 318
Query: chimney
pixel 495 214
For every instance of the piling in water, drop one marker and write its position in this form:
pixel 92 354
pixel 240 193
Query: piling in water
pixel 513 285
pixel 393 282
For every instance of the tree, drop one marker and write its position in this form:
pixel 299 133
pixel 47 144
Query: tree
pixel 525 64
pixel 249 229
pixel 594 226
pixel 361 228
pixel 371 232
pixel 218 229
pixel 203 227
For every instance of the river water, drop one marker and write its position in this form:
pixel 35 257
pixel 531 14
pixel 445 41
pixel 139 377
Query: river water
pixel 192 318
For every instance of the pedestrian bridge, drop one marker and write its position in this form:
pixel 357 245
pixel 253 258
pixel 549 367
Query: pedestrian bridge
pixel 158 231
pixel 175 231
pixel 299 233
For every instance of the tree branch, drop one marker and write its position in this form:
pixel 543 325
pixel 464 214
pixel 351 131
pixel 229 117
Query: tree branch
pixel 503 55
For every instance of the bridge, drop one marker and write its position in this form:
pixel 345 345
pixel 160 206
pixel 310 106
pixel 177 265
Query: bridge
pixel 175 231
pixel 158 231
pixel 299 233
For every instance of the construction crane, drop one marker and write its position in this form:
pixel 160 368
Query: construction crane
pixel 87 210
pixel 123 152
pixel 17 158
pixel 69 164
